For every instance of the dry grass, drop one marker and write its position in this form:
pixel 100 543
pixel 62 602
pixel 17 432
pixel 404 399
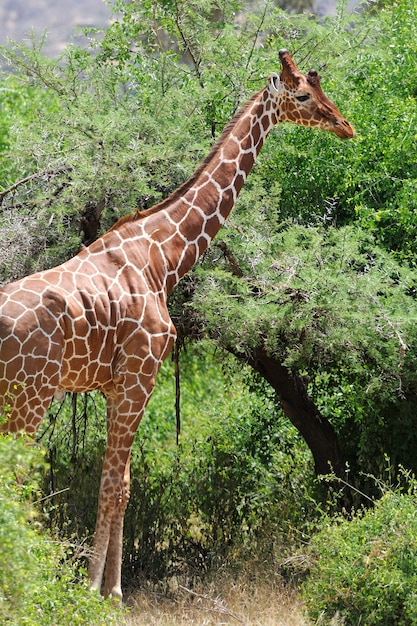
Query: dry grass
pixel 263 602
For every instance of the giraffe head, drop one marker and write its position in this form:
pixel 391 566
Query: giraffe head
pixel 300 100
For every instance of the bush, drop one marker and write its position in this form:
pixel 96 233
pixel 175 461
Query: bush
pixel 39 584
pixel 239 476
pixel 238 486
pixel 365 570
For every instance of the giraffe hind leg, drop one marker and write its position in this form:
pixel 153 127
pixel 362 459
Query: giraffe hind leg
pixel 125 410
pixel 113 581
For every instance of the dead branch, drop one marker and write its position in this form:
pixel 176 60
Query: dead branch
pixel 217 604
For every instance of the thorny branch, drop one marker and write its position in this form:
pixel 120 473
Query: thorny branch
pixel 27 179
pixel 403 346
pixel 236 270
pixel 257 33
pixel 187 45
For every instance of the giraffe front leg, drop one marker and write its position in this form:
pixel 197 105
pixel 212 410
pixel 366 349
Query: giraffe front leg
pixel 113 582
pixel 133 384
pixel 108 537
pixel 98 557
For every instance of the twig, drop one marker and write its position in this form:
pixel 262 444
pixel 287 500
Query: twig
pixel 255 39
pixel 236 270
pixel 187 45
pixel 177 391
pixel 344 482
pixel 51 495
pixel 217 606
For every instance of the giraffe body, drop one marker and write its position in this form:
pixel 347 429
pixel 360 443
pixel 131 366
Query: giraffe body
pixel 92 318
pixel 100 320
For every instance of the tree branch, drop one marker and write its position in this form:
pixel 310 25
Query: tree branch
pixel 236 270
pixel 187 45
pixel 23 181
pixel 300 409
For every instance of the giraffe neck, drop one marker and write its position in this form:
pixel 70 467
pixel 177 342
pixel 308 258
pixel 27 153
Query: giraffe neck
pixel 182 226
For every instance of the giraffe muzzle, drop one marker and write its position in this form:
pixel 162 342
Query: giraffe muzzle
pixel 344 130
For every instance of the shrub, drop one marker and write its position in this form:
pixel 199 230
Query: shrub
pixel 365 569
pixel 238 486
pixel 39 584
pixel 239 476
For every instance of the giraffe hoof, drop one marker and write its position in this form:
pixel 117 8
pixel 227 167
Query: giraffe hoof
pixel 115 594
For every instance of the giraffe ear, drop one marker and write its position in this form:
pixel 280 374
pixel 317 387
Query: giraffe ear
pixel 275 84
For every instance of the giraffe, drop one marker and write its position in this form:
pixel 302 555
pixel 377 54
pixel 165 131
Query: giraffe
pixel 100 320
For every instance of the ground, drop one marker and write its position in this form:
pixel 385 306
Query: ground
pixel 225 602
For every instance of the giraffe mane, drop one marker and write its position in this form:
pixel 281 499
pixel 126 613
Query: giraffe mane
pixel 182 189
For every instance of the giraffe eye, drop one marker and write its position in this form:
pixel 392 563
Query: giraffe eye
pixel 302 98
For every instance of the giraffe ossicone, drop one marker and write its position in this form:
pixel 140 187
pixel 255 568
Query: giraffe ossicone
pixel 100 320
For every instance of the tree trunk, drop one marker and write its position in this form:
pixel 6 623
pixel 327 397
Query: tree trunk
pixel 291 389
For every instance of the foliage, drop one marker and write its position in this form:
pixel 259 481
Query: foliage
pixel 39 583
pixel 74 435
pixel 333 306
pixel 364 570
pixel 239 475
pixel 223 495
pixel 372 179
